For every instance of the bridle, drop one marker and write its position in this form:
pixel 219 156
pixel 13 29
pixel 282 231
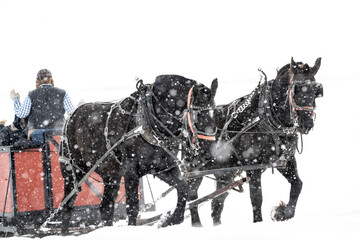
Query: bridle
pixel 267 103
pixel 189 117
pixel 294 107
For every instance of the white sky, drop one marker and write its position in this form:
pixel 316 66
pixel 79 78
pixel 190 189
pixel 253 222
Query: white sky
pixel 95 49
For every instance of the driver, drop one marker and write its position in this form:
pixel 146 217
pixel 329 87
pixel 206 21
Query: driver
pixel 45 106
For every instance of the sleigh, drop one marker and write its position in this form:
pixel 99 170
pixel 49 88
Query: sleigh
pixel 31 188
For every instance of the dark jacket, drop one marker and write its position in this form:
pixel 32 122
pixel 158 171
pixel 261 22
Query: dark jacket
pixel 47 108
pixel 9 137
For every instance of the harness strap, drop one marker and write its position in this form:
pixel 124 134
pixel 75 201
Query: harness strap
pixel 189 97
pixel 250 125
pixel 191 125
pixel 265 103
pixel 245 104
pixel 151 124
pixel 132 133
pixel 106 129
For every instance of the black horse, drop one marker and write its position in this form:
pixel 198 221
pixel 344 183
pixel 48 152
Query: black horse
pixel 259 131
pixel 141 135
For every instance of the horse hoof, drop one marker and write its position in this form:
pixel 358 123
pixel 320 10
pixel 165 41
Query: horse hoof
pixel 278 213
pixel 165 221
pixel 273 214
pixel 197 225
pixel 170 219
pixel 217 223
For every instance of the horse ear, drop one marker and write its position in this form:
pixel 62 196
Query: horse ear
pixel 292 61
pixel 316 67
pixel 292 64
pixel 214 86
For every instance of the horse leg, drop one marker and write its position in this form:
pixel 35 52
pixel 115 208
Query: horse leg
pixel 69 205
pixel 107 205
pixel 217 204
pixel 132 198
pixel 285 212
pixel 182 194
pixel 194 185
pixel 255 194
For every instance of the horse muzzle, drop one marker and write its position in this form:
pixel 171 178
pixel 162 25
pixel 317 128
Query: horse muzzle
pixel 306 121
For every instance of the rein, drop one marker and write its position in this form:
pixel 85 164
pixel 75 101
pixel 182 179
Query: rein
pixel 240 109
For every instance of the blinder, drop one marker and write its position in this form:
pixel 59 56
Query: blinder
pixel 302 94
pixel 192 116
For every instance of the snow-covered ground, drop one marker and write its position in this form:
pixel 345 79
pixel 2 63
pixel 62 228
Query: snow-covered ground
pixel 95 49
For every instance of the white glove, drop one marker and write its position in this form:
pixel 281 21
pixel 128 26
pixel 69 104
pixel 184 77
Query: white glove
pixel 14 94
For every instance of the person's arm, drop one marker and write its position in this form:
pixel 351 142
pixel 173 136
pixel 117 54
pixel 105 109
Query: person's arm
pixel 22 110
pixel 69 107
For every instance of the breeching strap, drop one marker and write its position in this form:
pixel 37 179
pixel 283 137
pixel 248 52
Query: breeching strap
pixel 132 133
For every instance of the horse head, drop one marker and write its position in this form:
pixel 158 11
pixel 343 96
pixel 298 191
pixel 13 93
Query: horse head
pixel 295 91
pixel 199 116
pixel 185 104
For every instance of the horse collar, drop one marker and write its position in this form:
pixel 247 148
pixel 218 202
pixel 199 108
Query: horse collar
pixel 145 118
pixel 266 111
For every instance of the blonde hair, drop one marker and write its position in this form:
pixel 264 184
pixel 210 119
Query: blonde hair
pixel 42 81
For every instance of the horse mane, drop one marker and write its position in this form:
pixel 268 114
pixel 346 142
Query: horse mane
pixel 173 77
pixel 284 69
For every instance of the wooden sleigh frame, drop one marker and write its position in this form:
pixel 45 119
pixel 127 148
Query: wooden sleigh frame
pixel 31 188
